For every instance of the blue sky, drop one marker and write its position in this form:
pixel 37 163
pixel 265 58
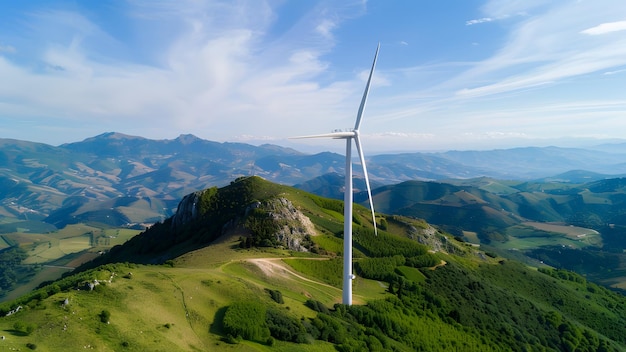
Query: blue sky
pixel 451 74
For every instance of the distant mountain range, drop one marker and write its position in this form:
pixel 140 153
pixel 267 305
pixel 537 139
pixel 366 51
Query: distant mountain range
pixel 120 179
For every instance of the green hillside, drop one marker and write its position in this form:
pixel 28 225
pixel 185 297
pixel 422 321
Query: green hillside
pixel 239 268
pixel 535 222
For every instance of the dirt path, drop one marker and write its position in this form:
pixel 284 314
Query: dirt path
pixel 442 263
pixel 275 267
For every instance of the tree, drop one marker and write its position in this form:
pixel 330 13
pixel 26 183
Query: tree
pixel 25 328
pixel 105 315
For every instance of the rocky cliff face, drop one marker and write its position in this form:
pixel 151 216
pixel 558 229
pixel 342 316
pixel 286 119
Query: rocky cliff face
pixel 292 225
pixel 430 237
pixel 187 210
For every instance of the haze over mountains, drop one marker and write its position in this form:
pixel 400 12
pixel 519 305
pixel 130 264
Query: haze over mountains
pixel 140 180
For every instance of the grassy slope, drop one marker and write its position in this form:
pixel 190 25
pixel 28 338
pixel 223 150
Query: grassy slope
pixel 161 308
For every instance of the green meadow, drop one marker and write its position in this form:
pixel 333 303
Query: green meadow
pixel 165 308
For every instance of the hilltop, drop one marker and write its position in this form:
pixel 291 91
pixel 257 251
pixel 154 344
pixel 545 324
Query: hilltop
pixel 255 264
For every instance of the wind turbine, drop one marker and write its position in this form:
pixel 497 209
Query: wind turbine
pixel 347 199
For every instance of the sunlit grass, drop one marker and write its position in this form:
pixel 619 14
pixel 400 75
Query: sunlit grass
pixel 329 243
pixel 329 271
pixel 412 274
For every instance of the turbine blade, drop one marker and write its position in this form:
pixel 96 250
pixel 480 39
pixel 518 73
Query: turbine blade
pixel 367 90
pixel 335 135
pixel 357 140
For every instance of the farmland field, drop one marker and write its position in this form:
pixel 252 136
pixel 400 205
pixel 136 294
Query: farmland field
pixel 113 237
pixel 75 244
pixel 536 242
pixel 471 236
pixel 57 252
pixel 530 235
pixel 570 231
pixel 3 243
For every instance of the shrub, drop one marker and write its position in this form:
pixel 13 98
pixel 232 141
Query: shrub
pixel 284 327
pixel 316 306
pixel 233 340
pixel 379 268
pixel 276 295
pixel 385 245
pixel 329 328
pixel 24 328
pixel 105 315
pixel 246 319
pixel 384 224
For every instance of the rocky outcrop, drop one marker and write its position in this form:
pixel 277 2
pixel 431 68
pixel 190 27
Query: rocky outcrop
pixel 187 210
pixel 430 237
pixel 292 226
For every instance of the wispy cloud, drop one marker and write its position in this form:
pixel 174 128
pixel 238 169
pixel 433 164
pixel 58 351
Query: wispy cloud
pixel 606 28
pixel 211 72
pixel 608 73
pixel 545 48
pixel 7 49
pixel 325 28
pixel 477 21
pixel 545 79
pixel 225 70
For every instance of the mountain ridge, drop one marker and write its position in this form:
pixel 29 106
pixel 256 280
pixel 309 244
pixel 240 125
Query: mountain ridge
pixel 38 178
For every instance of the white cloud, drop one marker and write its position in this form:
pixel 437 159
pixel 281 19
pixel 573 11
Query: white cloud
pixel 506 8
pixel 496 135
pixel 606 28
pixel 545 49
pixel 230 70
pixel 325 28
pixel 409 135
pixel 477 21
pixel 215 72
pixel 608 73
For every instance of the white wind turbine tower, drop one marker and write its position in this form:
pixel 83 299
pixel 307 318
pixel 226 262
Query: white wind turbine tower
pixel 347 212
